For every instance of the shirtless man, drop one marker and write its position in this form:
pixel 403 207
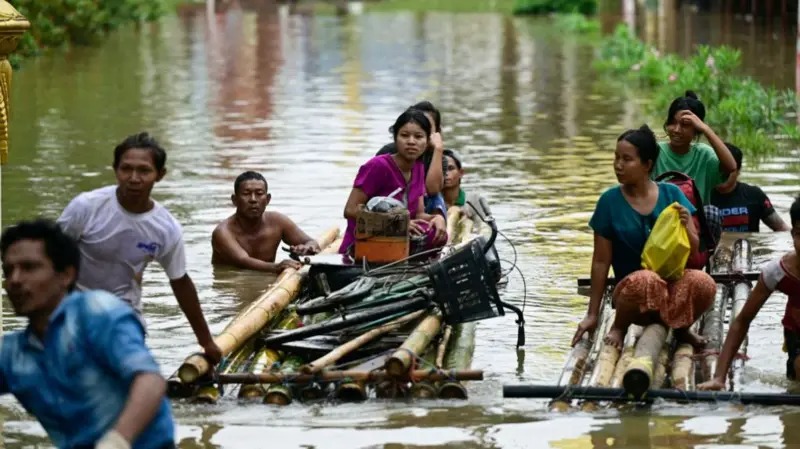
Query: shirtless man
pixel 250 237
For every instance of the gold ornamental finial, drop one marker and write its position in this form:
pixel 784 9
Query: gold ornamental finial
pixel 12 26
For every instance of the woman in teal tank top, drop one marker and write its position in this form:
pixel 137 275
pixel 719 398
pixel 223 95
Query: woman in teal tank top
pixel 622 221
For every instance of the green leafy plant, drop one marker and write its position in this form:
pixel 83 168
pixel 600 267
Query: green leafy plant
pixel 577 23
pixel 57 23
pixel 739 109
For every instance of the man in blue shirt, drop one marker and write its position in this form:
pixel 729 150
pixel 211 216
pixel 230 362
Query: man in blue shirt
pixel 81 365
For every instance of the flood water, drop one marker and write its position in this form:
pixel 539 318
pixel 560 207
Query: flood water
pixel 305 100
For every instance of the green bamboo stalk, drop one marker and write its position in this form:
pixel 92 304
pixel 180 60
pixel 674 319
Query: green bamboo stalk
pixel 282 394
pixel 458 356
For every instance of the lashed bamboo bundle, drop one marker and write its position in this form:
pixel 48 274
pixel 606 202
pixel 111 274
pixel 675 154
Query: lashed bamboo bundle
pixel 640 373
pixel 419 339
pixel 264 309
pixel 335 355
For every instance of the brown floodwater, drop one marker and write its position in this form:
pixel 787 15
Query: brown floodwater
pixel 305 100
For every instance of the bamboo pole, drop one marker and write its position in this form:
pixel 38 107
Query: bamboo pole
pixel 639 375
pixel 355 390
pixel 210 393
pixel 266 307
pixel 604 366
pixel 419 339
pixel 458 357
pixel 576 364
pixel 334 376
pixel 662 363
pixel 334 356
pixel 574 370
pixel 442 349
pixel 683 367
pixel 713 332
pixel 265 360
pixel 742 262
pixel 177 389
pixel 425 389
pixel 453 222
pixel 603 363
pixel 279 394
pixel 628 348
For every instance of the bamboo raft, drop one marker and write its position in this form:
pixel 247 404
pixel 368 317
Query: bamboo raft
pixel 651 359
pixel 414 355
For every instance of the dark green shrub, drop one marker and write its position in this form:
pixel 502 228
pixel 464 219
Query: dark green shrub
pixel 587 7
pixel 56 23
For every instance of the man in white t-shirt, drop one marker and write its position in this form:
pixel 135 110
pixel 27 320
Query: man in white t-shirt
pixel 120 229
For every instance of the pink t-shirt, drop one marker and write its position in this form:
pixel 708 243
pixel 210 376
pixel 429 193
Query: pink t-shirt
pixel 775 276
pixel 380 176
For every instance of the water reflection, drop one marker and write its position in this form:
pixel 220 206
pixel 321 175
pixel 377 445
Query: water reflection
pixel 306 99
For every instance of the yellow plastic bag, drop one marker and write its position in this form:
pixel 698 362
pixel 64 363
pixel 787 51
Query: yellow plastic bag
pixel 667 248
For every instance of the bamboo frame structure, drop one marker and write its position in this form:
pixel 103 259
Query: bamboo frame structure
pixel 650 359
pixel 333 376
pixel 393 373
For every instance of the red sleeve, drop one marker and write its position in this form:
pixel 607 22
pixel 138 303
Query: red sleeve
pixel 766 205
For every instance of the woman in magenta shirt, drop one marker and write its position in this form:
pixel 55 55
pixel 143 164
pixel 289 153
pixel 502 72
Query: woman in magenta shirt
pixel 400 172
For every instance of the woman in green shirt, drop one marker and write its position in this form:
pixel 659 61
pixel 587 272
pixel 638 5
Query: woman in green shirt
pixel 706 165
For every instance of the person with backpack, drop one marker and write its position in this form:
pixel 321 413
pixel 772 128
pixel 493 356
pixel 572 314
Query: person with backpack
pixel 622 221
pixel 707 165
pixel 695 167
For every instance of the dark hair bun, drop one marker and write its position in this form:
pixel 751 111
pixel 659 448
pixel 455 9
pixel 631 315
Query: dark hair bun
pixel 646 129
pixel 691 94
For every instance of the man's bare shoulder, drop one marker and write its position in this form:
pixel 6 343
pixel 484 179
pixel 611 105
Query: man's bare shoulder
pixel 224 227
pixel 273 218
